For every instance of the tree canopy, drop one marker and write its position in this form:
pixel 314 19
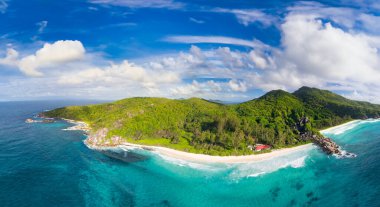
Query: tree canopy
pixel 201 126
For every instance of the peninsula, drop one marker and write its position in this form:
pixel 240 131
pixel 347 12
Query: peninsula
pixel 277 119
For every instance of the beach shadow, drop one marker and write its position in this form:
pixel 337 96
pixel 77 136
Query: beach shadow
pixel 125 156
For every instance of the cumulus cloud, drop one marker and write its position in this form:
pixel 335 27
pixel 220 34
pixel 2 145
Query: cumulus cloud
pixel 320 48
pixel 160 76
pixel 261 60
pixel 237 85
pixel 10 58
pixel 197 89
pixel 316 53
pixel 116 74
pixel 370 22
pixel 50 55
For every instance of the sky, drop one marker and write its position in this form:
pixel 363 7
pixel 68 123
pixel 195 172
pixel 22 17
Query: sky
pixel 230 50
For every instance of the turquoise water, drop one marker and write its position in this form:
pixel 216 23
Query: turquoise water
pixel 42 165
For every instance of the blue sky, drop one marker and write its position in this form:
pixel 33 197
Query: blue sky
pixel 227 50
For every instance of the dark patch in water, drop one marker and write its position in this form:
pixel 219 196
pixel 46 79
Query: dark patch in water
pixel 312 200
pixel 293 202
pixel 163 203
pixel 125 156
pixel 275 191
pixel 309 194
pixel 298 186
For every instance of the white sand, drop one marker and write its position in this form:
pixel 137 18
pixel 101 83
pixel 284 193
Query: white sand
pixel 232 159
pixel 225 159
pixel 338 127
pixel 220 159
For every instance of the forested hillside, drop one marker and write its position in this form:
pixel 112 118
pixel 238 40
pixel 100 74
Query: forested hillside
pixel 201 126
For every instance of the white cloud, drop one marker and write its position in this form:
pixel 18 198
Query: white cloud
pixel 51 55
pixel 370 22
pixel 41 26
pixel 119 74
pixel 168 4
pixel 260 60
pixel 189 39
pixel 91 8
pixel 341 15
pixel 230 59
pixel 316 53
pixel 249 16
pixel 3 6
pixel 346 17
pixel 237 86
pixel 221 62
pixel 160 76
pixel 11 58
pixel 320 49
pixel 197 89
pixel 196 20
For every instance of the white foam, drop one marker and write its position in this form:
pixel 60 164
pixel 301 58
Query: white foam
pixel 345 154
pixel 341 128
pixel 250 169
pixel 170 160
pixel 256 174
pixel 264 167
pixel 184 163
pixel 128 147
pixel 294 159
pixel 298 163
pixel 348 126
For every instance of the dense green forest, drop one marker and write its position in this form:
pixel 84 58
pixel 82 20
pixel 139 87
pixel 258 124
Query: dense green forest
pixel 201 126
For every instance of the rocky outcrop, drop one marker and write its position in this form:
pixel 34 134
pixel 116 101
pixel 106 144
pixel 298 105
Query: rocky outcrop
pixel 97 137
pixel 327 145
pixel 100 139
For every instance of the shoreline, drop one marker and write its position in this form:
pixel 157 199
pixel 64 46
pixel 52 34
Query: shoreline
pixel 78 126
pixel 203 158
pixel 331 129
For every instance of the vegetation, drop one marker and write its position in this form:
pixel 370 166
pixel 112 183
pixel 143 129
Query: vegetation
pixel 202 126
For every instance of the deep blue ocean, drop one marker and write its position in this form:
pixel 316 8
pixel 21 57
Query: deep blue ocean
pixel 43 165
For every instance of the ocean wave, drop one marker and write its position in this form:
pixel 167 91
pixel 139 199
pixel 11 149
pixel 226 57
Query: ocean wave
pixel 268 166
pixel 233 170
pixel 256 174
pixel 167 159
pixel 189 164
pixel 298 163
pixel 345 154
pixel 128 147
pixel 348 126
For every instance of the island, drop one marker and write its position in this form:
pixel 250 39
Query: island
pixel 276 120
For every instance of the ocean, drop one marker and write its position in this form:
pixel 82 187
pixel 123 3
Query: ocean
pixel 43 165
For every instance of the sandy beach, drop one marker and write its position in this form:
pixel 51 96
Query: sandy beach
pixel 225 159
pixel 219 159
pixel 338 127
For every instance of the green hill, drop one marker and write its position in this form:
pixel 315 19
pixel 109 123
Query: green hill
pixel 329 109
pixel 200 126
